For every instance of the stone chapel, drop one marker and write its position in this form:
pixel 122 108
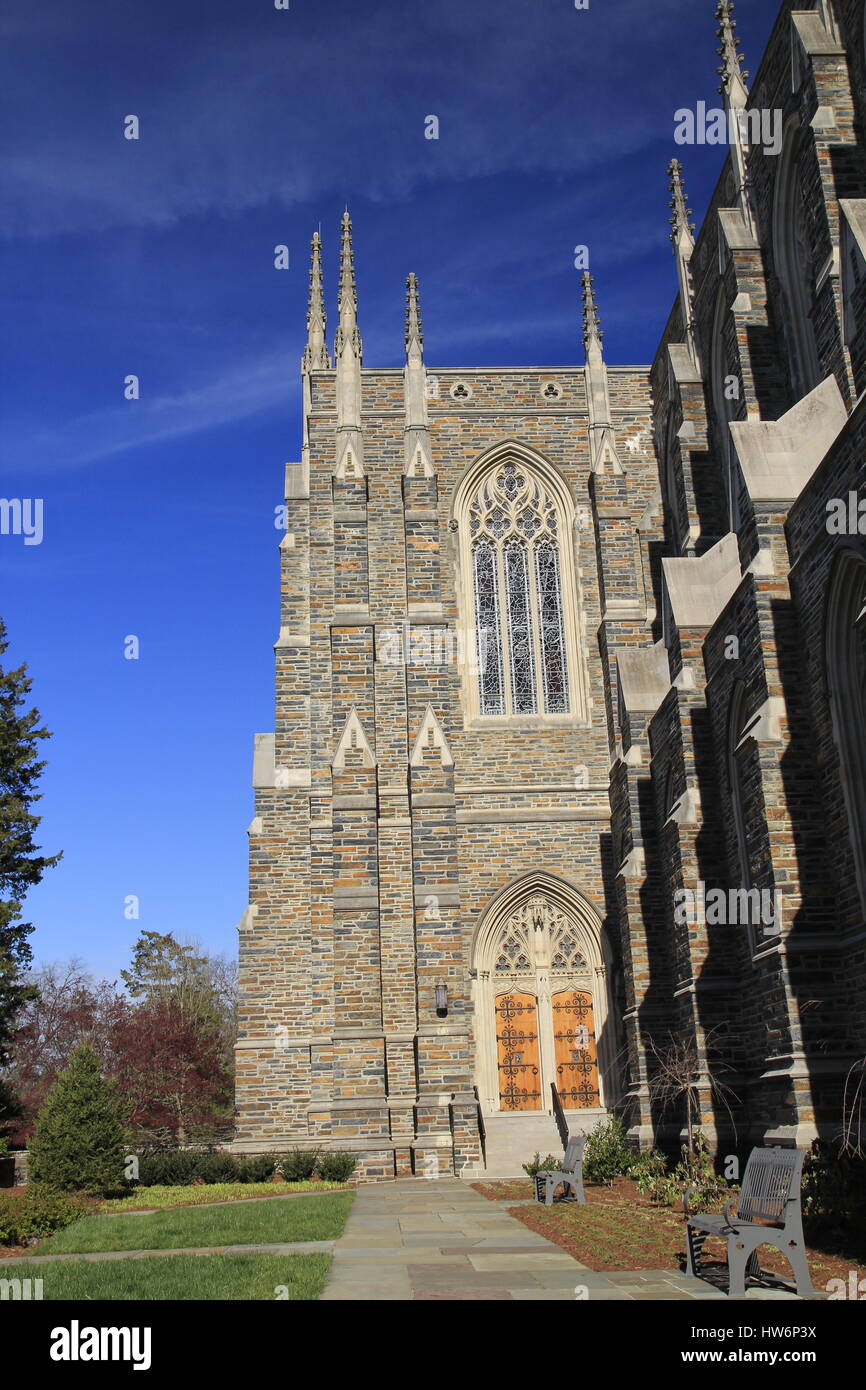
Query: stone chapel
pixel 567 781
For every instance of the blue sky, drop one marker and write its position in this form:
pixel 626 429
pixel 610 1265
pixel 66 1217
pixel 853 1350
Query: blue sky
pixel 155 257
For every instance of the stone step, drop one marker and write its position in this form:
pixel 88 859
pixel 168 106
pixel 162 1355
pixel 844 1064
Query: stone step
pixel 512 1140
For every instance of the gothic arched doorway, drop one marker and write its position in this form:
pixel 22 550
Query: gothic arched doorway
pixel 540 1000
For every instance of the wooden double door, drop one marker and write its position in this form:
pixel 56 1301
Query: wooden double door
pixel 542 1041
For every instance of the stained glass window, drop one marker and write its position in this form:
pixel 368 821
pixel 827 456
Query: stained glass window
pixel 517 578
pixel 552 636
pixel 519 630
pixel 489 640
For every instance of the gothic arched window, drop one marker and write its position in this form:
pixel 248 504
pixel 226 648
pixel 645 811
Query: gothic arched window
pixel 726 394
pixel 846 675
pixel 792 253
pixel 677 538
pixel 515 526
pixel 736 781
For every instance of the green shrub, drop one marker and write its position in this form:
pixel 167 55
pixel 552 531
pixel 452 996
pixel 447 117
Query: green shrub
pixel 539 1164
pixel 78 1142
pixel 256 1167
pixel 647 1167
pixel 297 1166
pixel 174 1168
pixel 834 1189
pixel 607 1154
pixel 694 1174
pixel 663 1189
pixel 696 1171
pixel 336 1167
pixel 181 1167
pixel 35 1213
pixel 216 1167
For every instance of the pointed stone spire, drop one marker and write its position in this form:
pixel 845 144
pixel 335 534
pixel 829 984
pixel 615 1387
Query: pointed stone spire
pixel 316 352
pixel 414 335
pixel 683 227
pixel 347 328
pixel 347 360
pixel 731 72
pixel 736 94
pixel 682 236
pixel 602 446
pixel 592 334
pixel 417 448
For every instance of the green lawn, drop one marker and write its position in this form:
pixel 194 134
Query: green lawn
pixel 241 1223
pixel 213 1192
pixel 181 1277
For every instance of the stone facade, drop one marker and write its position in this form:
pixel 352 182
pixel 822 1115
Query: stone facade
pixel 431 844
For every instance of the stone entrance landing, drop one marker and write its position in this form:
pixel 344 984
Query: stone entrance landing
pixel 416 1239
pixel 419 1240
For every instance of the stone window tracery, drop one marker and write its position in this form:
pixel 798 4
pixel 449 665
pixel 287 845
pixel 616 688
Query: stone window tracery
pixel 539 935
pixel 515 536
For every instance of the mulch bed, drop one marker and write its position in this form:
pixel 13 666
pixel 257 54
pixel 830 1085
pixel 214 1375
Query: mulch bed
pixel 620 1229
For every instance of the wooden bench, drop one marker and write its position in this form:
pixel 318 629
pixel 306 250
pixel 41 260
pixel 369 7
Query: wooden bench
pixel 569 1176
pixel 768 1212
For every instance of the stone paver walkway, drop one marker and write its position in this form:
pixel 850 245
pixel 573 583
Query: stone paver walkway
pixel 424 1240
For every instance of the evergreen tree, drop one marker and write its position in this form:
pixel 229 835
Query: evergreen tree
pixel 21 867
pixel 78 1143
pixel 71 1008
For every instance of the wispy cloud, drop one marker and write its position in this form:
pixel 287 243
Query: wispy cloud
pixel 235 393
pixel 321 103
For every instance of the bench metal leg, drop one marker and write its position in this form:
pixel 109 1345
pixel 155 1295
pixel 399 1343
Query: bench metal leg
pixel 569 1182
pixel 800 1266
pixel 738 1256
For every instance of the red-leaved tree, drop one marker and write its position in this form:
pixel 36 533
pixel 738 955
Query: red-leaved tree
pixel 170 1070
pixel 68 1008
